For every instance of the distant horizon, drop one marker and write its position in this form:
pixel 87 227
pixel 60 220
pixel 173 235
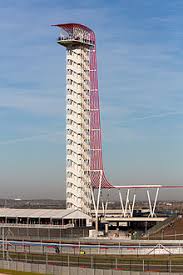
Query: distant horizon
pixel 112 201
pixel 139 51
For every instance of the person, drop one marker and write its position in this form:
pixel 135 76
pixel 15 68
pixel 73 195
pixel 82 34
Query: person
pixel 82 252
pixel 57 250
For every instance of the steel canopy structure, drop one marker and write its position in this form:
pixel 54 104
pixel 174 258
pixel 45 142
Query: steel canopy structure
pixel 85 170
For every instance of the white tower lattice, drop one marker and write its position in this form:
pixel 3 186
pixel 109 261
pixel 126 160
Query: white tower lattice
pixel 78 185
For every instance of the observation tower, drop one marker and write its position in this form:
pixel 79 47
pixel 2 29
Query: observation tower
pixel 84 165
pixel 84 168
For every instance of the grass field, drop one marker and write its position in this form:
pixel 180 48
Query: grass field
pixel 13 272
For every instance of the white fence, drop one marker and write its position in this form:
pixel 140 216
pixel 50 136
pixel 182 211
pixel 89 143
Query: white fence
pixel 29 225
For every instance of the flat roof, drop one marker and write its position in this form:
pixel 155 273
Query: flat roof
pixel 134 219
pixel 43 213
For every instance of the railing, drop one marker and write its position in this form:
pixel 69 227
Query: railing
pixel 160 226
pixel 82 266
pixel 72 38
pixel 23 225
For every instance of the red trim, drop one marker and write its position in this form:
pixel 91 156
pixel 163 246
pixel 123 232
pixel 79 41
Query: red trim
pixel 72 25
pixel 146 186
pixel 96 163
pixel 172 186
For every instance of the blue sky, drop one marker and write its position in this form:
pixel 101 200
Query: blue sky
pixel 140 64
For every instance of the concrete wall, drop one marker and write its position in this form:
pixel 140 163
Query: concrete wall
pixel 57 270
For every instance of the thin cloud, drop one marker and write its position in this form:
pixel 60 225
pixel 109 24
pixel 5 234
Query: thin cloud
pixel 30 138
pixel 45 105
pixel 161 115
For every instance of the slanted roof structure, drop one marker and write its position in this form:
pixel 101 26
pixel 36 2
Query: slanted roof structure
pixel 43 213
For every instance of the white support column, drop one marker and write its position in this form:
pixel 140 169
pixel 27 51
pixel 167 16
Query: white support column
pixel 150 205
pixel 155 201
pixel 133 204
pixel 127 202
pixel 122 205
pixel 106 204
pixel 98 200
pixel 103 208
pixel 129 207
pixel 152 208
pixel 93 199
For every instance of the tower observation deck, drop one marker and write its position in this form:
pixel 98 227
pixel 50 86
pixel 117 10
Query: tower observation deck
pixel 84 166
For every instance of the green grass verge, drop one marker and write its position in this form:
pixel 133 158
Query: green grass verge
pixel 96 257
pixel 14 272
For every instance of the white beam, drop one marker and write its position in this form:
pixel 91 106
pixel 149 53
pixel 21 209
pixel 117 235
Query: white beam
pixel 155 201
pixel 122 205
pixel 98 199
pixel 133 204
pixel 150 205
pixel 127 202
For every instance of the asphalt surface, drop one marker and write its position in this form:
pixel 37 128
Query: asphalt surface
pixel 93 248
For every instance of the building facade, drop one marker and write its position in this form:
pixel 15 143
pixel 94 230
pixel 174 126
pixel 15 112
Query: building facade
pixel 78 184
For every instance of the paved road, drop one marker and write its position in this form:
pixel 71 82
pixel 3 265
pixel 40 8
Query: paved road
pixel 91 249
